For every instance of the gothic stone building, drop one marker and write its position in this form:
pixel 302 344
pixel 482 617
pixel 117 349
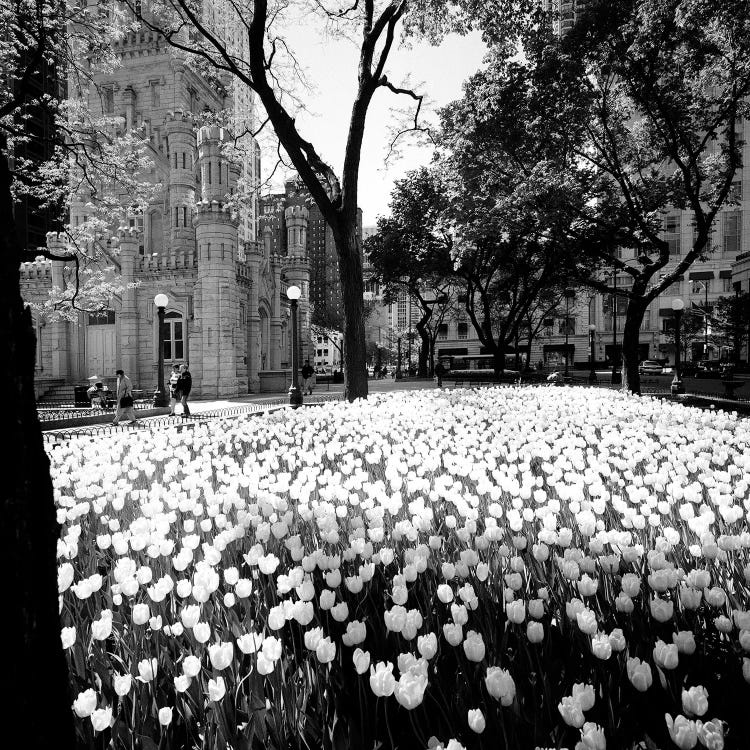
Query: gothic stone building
pixel 228 312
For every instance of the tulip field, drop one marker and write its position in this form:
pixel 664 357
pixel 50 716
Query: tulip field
pixel 501 568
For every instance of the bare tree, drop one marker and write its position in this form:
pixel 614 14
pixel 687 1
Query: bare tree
pixel 259 57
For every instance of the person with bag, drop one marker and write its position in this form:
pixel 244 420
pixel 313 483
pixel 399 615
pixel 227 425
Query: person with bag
pixel 125 402
pixel 174 394
pixel 183 387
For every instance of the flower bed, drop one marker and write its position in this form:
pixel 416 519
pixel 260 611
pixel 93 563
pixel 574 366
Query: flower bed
pixel 512 568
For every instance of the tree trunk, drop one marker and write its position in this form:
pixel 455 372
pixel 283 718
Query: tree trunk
pixel 498 361
pixel 631 379
pixel 423 366
pixel 37 699
pixel 529 343
pixel 352 291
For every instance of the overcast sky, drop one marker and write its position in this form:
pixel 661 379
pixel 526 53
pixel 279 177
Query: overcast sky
pixel 332 67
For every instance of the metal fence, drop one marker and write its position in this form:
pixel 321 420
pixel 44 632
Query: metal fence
pixel 179 422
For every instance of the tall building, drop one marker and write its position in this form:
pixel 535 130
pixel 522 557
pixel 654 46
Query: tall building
pixel 325 283
pixel 700 288
pixel 32 221
pixel 228 314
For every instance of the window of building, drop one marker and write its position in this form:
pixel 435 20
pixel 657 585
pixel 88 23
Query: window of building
pixel 726 285
pixel 732 231
pixel 155 232
pixel 442 332
pixel 672 233
pixel 102 318
pixel 463 330
pixel 108 103
pixel 567 325
pixel 699 288
pixel 174 336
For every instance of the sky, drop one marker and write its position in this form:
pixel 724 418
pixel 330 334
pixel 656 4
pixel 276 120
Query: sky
pixel 332 68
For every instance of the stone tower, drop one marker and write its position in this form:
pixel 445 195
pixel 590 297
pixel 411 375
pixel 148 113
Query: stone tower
pixel 181 195
pixel 217 298
pixel 297 269
pixel 129 240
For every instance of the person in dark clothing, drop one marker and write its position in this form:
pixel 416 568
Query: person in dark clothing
pixel 439 373
pixel 308 375
pixel 183 387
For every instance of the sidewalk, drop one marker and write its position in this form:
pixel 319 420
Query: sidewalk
pixel 251 403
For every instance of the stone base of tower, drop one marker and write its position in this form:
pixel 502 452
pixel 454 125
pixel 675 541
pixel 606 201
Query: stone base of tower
pixel 223 388
pixel 253 384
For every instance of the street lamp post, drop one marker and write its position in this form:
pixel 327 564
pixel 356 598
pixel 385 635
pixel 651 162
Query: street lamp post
pixel 160 394
pixel 398 361
pixel 569 293
pixel 616 374
pixel 705 321
pixel 677 308
pixel 592 373
pixel 295 394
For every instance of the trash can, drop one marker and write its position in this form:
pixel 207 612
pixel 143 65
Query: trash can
pixel 338 376
pixel 80 397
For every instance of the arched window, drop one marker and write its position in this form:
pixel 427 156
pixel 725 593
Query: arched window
pixel 174 336
pixel 155 233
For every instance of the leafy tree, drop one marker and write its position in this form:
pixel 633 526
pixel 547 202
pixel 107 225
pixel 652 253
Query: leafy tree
pixel 509 219
pixel 411 253
pixel 730 321
pixel 650 97
pixel 40 40
pixel 252 51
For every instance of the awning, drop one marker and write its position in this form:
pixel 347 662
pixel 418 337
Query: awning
pixel 455 352
pixel 701 275
pixel 665 312
pixel 558 348
pixel 727 274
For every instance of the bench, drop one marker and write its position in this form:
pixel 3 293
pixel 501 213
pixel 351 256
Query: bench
pixel 730 386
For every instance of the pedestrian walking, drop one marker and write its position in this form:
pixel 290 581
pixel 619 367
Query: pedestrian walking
pixel 124 396
pixel 174 394
pixel 384 372
pixel 308 376
pixel 376 372
pixel 439 373
pixel 184 386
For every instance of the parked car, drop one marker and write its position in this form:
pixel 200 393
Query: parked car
pixel 688 369
pixel 708 369
pixel 650 367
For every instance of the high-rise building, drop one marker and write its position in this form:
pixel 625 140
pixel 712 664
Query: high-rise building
pixel 322 256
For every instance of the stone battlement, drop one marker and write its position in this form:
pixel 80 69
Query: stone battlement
pixel 56 240
pixel 205 210
pixel 183 259
pixel 296 212
pixel 39 268
pixel 129 234
pixel 212 133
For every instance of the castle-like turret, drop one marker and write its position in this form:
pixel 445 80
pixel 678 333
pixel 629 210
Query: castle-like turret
pixel 297 269
pixel 129 240
pixel 217 296
pixel 181 199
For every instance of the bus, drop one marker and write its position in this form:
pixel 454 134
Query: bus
pixel 476 362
